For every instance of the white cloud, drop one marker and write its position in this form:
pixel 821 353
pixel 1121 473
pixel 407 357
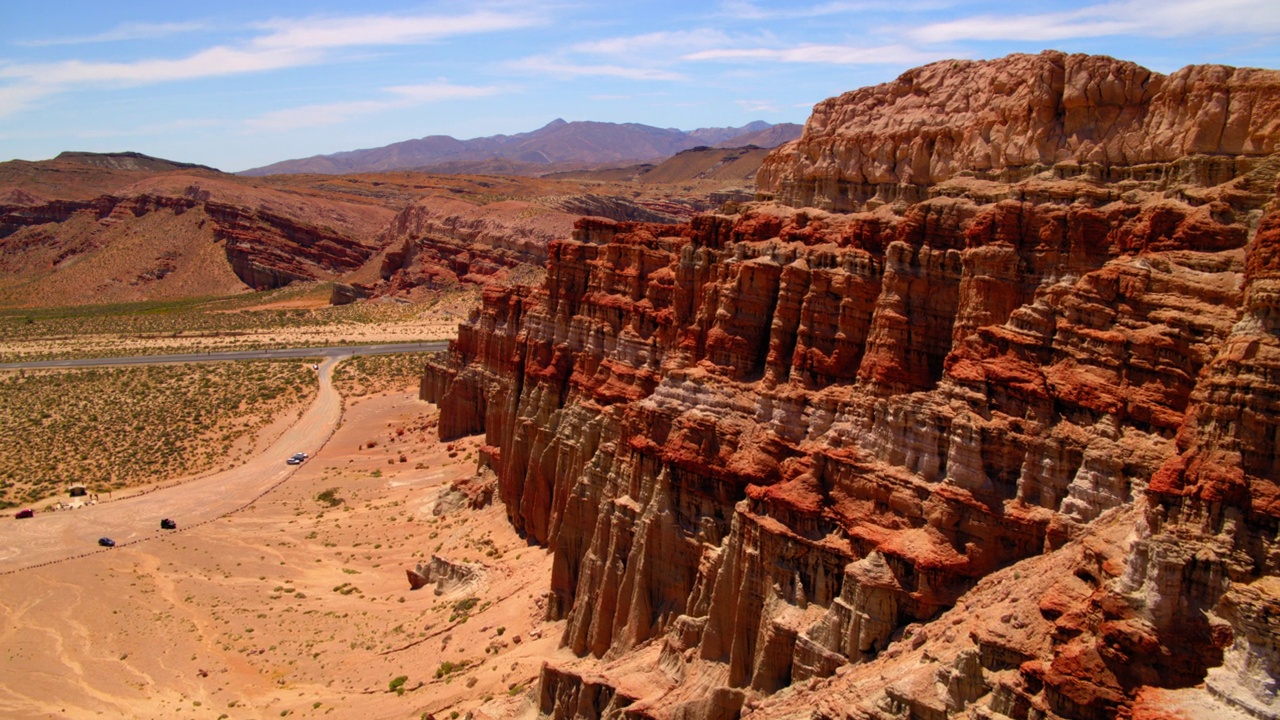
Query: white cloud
pixel 648 56
pixel 339 32
pixel 552 66
pixel 213 62
pixel 16 98
pixel 405 96
pixel 823 54
pixel 287 44
pixel 650 43
pixel 1130 17
pixel 757 106
pixel 126 31
pixel 742 10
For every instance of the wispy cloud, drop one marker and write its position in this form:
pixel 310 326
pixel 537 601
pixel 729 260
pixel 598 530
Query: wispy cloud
pixel 340 32
pixel 568 68
pixel 126 31
pixel 758 106
pixel 646 57
pixel 647 44
pixel 402 96
pixel 743 10
pixel 824 54
pixel 283 44
pixel 1131 17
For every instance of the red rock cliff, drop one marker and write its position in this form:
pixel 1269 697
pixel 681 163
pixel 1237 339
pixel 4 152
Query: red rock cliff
pixel 437 241
pixel 791 449
pixel 1019 115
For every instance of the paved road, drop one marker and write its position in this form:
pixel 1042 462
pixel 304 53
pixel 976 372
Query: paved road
pixel 326 352
pixel 59 535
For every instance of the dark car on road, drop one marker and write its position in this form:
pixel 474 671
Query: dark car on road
pixel 167 524
pixel 25 513
pixel 106 542
pixel 297 458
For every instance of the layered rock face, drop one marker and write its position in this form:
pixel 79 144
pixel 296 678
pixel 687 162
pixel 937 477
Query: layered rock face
pixel 1020 115
pixel 794 463
pixel 269 238
pixel 435 243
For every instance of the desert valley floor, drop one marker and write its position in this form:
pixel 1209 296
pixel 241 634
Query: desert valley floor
pixel 293 607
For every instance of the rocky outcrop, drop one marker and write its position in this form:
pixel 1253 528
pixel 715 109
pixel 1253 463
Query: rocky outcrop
pixel 436 243
pixel 448 575
pixel 1022 114
pixel 794 450
pixel 624 209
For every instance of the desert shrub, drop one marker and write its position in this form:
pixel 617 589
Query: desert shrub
pixel 112 428
pixel 448 667
pixel 329 497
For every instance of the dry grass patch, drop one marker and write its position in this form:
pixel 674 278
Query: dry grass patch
pixel 288 317
pixel 112 428
pixel 372 374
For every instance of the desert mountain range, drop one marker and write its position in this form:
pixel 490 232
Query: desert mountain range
pixel 966 404
pixel 558 145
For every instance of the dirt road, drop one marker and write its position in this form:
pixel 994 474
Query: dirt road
pixel 56 536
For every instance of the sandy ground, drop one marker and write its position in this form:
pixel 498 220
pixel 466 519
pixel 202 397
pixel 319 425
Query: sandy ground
pixel 291 607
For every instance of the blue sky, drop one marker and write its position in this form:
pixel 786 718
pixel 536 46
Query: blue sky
pixel 240 84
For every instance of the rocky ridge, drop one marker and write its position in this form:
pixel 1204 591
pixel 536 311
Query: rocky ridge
pixel 1082 115
pixel 997 441
pixel 438 243
pixel 170 227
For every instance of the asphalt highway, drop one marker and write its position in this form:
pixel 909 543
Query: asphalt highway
pixel 322 352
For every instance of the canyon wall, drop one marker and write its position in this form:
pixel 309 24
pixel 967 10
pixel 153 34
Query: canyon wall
pixel 999 442
pixel 439 242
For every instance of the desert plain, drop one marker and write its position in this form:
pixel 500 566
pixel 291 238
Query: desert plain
pixel 296 605
pixel 283 591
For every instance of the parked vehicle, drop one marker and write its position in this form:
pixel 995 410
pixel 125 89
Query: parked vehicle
pixel 297 458
pixel 106 542
pixel 167 524
pixel 25 513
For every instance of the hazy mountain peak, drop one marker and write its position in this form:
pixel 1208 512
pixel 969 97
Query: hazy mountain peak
pixel 558 145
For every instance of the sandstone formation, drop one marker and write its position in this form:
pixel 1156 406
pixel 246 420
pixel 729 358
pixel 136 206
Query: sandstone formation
pixel 448 575
pixel 1020 115
pixel 997 440
pixel 435 243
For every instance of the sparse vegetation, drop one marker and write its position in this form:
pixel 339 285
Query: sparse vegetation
pixel 447 668
pixel 249 321
pixel 329 497
pixel 370 374
pixel 462 609
pixel 62 427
